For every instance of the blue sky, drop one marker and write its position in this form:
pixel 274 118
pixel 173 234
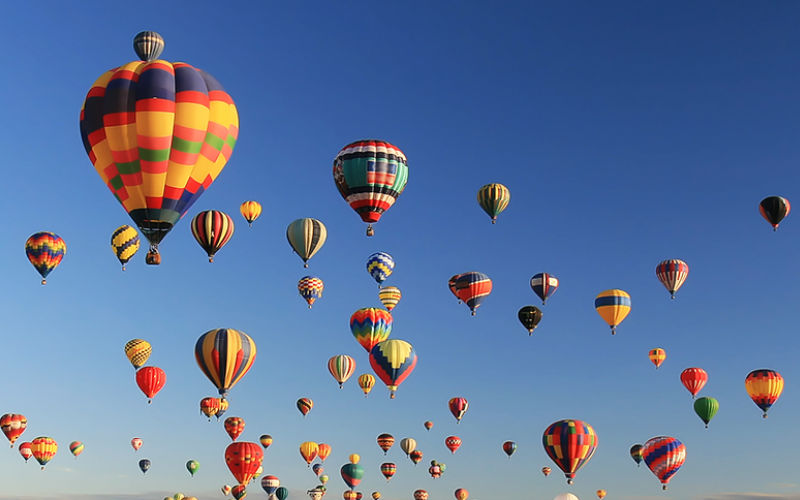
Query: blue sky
pixel 627 132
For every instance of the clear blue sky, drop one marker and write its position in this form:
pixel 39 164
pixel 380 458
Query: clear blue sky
pixel 628 133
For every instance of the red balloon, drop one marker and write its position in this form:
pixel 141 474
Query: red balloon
pixel 243 459
pixel 234 426
pixel 453 443
pixel 239 491
pixel 150 380
pixel 694 379
pixel 458 407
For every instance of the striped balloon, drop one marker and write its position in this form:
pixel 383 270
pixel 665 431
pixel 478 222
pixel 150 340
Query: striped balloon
pixel 613 306
pixel 310 288
pixel 472 288
pixel 306 236
pixel 76 448
pixel 636 453
pixel 25 450
pixel 389 296
pixel 45 251
pixel 309 450
pixel 385 441
pixel 664 455
pixel 224 355
pixel 341 368
pixel 764 387
pixel 13 425
pixel 694 379
pixel 158 134
pixel 657 356
pixel 270 484
pixel 370 175
pixel 44 449
pixel 380 265
pixel 352 474
pixel 774 209
pixel 393 361
pixel 570 444
pixel 148 45
pixel 388 469
pixel 493 199
pixel 305 405
pixel 250 210
pixel 323 451
pixel 125 243
pixel 544 285
pixel 212 229
pixel 370 326
pixel 138 352
pixel 672 273
pixel 451 284
pixel 366 382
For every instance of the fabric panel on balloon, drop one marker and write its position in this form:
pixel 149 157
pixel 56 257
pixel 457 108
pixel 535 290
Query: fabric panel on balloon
pixel 225 355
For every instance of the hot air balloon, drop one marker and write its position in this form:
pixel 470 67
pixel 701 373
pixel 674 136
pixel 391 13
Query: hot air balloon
pixel 408 445
pixel 636 453
pixel 13 425
pixel 282 493
pixel 694 379
pixel 428 425
pixel 774 209
pixel 243 459
pixel 706 408
pixel 380 265
pixel 270 484
pixel 306 236
pixel 212 229
pixel 370 174
pixel 150 380
pixel 420 495
pixel 25 450
pixel 530 316
pixel 544 285
pixel 664 456
pixel 657 356
pixel 224 355
pixel 45 251
pixel 566 496
pixel 304 405
pixel 352 474
pixel 458 407
pixel 76 448
pixel 148 45
pixel 388 470
pixel 385 441
pixel 451 284
pixel 672 273
pixel 43 449
pixel 546 471
pixel 366 382
pixel 389 296
pixel 265 440
pixel 354 458
pixel 324 451
pixel 239 491
pixel 613 306
pixel 570 444
pixel 250 211
pixel 315 494
pixel 370 326
pixel 138 352
pixel 764 387
pixel 309 450
pixel 341 368
pixel 209 407
pixel 136 443
pixel 144 465
pixel 376 495
pixel 601 494
pixel 393 361
pixel 158 134
pixel 349 495
pixel 472 288
pixel 415 456
pixel 125 243
pixel 453 443
pixel 509 447
pixel 310 288
pixel 493 199
pixel 435 470
pixel 192 466
pixel 318 469
pixel 461 494
pixel 234 426
pixel 323 479
pixel 226 489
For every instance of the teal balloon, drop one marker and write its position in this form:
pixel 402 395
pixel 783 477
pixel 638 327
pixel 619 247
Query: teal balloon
pixel 352 474
pixel 706 408
pixel 282 493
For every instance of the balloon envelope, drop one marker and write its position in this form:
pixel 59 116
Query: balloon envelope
pixel 212 230
pixel 224 356
pixel 243 459
pixel 672 274
pixel 125 243
pixel 613 306
pixel 45 250
pixel 664 455
pixel 570 444
pixel 393 361
pixel 764 387
pixel 493 199
pixel 774 209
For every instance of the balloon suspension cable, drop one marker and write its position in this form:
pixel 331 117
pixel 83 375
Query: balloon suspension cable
pixel 370 230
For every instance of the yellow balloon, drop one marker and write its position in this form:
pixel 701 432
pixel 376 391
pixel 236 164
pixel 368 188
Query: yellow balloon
pixel 138 351
pixel 309 450
pixel 354 458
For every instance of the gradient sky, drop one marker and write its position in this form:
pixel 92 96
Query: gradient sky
pixel 627 132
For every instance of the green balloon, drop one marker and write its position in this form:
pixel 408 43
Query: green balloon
pixel 178 496
pixel 706 408
pixel 282 493
pixel 192 466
